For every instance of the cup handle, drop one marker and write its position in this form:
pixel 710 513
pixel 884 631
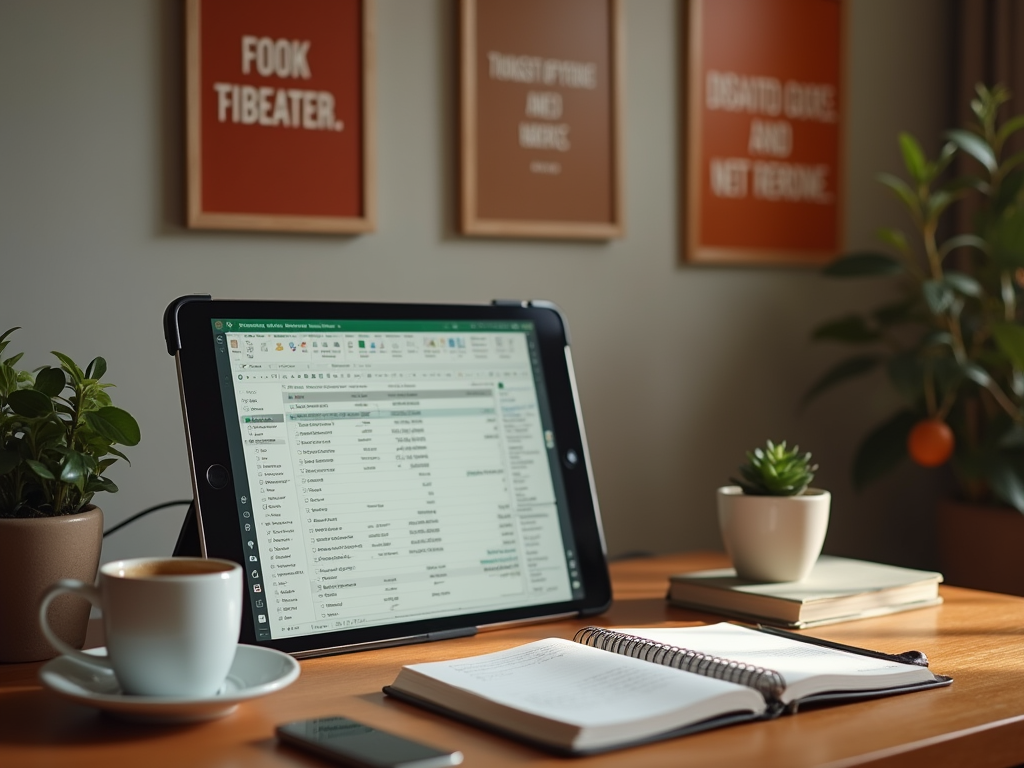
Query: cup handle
pixel 90 593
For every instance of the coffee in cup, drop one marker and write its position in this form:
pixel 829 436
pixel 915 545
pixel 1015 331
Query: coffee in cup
pixel 171 623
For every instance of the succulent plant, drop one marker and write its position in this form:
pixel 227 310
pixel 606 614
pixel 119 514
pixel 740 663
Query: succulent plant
pixel 776 471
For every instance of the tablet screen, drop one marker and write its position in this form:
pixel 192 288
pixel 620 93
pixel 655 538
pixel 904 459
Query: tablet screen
pixel 390 471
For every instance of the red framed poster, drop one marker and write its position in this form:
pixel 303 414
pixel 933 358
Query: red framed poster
pixel 280 115
pixel 765 103
pixel 540 118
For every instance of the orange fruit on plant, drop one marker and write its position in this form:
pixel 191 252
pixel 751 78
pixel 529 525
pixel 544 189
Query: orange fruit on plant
pixel 930 443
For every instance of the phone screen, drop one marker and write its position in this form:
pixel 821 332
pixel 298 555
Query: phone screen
pixel 351 743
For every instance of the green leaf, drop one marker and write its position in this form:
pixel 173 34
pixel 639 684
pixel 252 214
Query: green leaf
pixel 30 403
pixel 1006 482
pixel 96 369
pixel 865 264
pixel 964 284
pixel 40 469
pixel 75 469
pixel 964 183
pixel 1010 339
pixel 13 359
pixel 975 146
pixel 70 366
pixel 8 332
pixel 851 329
pixel 1009 189
pixel 976 373
pixel 51 381
pixel 1006 238
pixel 963 241
pixel 883 449
pixel 8 380
pixel 895 238
pixel 1012 125
pixel 97 483
pixel 8 461
pixel 938 296
pixel 903 192
pixel 847 369
pixel 1013 161
pixel 114 424
pixel 913 158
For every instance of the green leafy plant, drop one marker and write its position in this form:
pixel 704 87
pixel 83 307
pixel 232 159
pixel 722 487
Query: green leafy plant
pixel 776 471
pixel 58 430
pixel 952 343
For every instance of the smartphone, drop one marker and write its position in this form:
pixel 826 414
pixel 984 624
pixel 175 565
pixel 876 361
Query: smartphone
pixel 347 742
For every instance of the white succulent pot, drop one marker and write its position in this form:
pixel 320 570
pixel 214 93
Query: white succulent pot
pixel 773 538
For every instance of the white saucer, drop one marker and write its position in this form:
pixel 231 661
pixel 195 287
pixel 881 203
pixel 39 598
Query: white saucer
pixel 254 672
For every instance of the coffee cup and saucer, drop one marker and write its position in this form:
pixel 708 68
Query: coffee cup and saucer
pixel 172 652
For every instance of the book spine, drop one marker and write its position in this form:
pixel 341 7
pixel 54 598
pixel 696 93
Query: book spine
pixel 767 682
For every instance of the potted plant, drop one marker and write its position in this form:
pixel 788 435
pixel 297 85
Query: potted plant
pixel 773 524
pixel 58 430
pixel 952 341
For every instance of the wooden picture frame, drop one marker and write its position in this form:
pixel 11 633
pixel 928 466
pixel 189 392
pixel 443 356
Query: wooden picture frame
pixel 764 109
pixel 281 116
pixel 540 115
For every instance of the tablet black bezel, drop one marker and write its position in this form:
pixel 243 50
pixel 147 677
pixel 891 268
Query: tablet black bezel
pixel 190 338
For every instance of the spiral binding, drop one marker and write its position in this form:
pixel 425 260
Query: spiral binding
pixel 767 682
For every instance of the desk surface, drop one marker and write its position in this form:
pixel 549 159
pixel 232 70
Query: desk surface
pixel 975 636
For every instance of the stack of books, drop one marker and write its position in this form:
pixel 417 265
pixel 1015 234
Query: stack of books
pixel 838 589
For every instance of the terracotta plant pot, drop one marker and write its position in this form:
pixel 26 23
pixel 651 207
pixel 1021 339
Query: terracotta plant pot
pixel 773 538
pixel 980 546
pixel 35 553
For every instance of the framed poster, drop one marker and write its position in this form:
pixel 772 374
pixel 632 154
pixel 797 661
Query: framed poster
pixel 765 101
pixel 280 115
pixel 541 118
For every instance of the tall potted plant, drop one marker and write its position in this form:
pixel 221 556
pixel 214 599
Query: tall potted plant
pixel 952 341
pixel 58 430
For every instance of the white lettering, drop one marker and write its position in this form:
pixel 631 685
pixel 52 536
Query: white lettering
pixel 770 137
pixel 729 177
pixel 547 105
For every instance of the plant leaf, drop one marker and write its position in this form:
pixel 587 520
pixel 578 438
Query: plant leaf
pixel 75 469
pixel 114 424
pixel 851 329
pixel 895 238
pixel 965 284
pixel 913 158
pixel 96 369
pixel 976 373
pixel 847 369
pixel 51 381
pixel 938 296
pixel 70 366
pixel 903 192
pixel 883 449
pixel 1012 125
pixel 864 264
pixel 1010 339
pixel 1006 237
pixel 975 146
pixel 40 469
pixel 29 402
pixel 963 241
pixel 1006 482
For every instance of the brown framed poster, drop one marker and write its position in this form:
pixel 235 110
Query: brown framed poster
pixel 280 110
pixel 541 118
pixel 765 102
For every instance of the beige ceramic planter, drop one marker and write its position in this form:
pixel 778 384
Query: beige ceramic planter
pixel 35 553
pixel 773 538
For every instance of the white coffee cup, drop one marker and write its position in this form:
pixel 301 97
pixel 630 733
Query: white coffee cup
pixel 171 623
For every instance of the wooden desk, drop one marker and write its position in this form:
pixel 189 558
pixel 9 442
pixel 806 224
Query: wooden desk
pixel 976 637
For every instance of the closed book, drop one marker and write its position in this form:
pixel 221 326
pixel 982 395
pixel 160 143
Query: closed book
pixel 837 589
pixel 612 688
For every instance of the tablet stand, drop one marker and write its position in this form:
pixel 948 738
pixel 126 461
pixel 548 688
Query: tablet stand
pixel 187 544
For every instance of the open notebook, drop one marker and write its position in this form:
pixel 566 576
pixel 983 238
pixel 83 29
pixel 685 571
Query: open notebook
pixel 615 688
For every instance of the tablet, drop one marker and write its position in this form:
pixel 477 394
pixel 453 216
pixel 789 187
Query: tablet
pixel 388 473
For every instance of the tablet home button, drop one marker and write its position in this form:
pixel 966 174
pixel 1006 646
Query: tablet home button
pixel 217 476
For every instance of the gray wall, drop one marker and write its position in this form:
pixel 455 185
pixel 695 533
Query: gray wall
pixel 680 368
